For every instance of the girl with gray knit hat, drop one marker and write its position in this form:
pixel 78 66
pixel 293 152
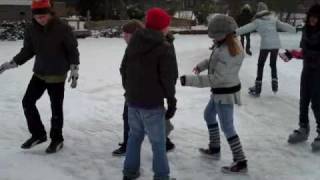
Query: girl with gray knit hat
pixel 267 26
pixel 223 77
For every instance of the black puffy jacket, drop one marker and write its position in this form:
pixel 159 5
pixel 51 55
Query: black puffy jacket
pixel 310 44
pixel 54 46
pixel 149 70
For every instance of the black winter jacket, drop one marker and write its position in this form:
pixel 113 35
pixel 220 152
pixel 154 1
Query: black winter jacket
pixel 54 46
pixel 149 70
pixel 310 44
pixel 245 17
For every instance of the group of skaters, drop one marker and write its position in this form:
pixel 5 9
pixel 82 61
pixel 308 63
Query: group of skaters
pixel 149 74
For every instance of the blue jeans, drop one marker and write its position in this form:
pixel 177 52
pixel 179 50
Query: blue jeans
pixel 225 113
pixel 152 123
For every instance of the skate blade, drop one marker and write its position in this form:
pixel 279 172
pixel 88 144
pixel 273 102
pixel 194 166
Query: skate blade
pixel 227 171
pixel 119 155
pixel 213 157
pixel 254 95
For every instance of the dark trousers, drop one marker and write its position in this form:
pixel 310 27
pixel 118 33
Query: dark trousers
pixel 310 92
pixel 125 124
pixel 273 63
pixel 35 90
pixel 247 37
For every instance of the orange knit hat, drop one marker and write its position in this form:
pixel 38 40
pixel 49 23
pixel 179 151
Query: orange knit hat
pixel 40 6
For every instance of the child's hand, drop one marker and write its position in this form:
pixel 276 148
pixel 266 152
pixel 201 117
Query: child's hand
pixel 7 65
pixel 286 56
pixel 196 71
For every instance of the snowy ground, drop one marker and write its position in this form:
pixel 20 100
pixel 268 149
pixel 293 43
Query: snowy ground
pixel 93 124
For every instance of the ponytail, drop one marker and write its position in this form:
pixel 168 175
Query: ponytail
pixel 233 45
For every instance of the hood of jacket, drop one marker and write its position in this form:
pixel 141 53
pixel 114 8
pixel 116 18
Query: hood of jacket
pixel 145 40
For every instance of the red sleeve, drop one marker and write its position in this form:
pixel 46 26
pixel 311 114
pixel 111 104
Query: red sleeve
pixel 298 54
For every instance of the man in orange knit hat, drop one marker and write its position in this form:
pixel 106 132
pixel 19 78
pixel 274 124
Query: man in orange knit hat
pixel 56 52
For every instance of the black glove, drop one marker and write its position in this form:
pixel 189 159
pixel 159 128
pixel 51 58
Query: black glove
pixel 183 80
pixel 171 108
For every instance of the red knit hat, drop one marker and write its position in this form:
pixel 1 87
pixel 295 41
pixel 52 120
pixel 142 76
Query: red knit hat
pixel 157 19
pixel 40 6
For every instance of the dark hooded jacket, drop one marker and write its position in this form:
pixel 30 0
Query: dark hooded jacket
pixel 54 46
pixel 310 41
pixel 149 70
pixel 245 16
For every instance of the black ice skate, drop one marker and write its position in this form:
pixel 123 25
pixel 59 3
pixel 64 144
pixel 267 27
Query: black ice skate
pixel 255 90
pixel 33 141
pixel 236 168
pixel 212 153
pixel 54 147
pixel 121 151
pixel 169 145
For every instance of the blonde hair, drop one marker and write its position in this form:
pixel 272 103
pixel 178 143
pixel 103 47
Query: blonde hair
pixel 233 45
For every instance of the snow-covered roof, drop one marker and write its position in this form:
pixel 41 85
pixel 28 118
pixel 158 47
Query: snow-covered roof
pixel 15 2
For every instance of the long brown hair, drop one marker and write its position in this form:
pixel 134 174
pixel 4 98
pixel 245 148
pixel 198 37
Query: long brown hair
pixel 233 45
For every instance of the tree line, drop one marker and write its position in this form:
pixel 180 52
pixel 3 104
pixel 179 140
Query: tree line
pixel 126 9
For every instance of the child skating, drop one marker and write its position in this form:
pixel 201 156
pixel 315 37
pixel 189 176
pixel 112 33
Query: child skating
pixel 267 26
pixel 310 78
pixel 223 77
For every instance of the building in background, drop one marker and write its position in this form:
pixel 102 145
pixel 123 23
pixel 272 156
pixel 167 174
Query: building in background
pixel 14 10
pixel 17 10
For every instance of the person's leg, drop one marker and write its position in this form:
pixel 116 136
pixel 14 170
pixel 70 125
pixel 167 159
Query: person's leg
pixel 225 113
pixel 242 40
pixel 315 99
pixel 136 136
pixel 261 61
pixel 248 45
pixel 34 91
pixel 256 89
pixel 154 122
pixel 169 128
pixel 123 146
pixel 305 98
pixel 125 124
pixel 273 66
pixel 273 63
pixel 56 94
pixel 210 114
pixel 302 134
